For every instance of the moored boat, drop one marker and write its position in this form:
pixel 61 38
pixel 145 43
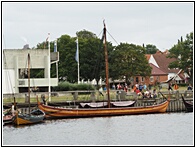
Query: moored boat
pixel 188 105
pixel 8 118
pixel 34 116
pixel 57 112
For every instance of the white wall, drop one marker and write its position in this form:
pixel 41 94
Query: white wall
pixel 8 81
pixel 153 61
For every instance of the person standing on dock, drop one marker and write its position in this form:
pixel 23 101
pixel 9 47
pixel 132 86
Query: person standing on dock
pixel 170 86
pixel 189 87
pixel 176 86
pixel 101 91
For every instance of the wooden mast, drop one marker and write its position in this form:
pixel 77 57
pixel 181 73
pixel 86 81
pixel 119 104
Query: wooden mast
pixel 29 81
pixel 106 64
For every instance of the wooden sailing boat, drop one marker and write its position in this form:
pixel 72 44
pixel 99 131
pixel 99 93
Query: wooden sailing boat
pixel 34 116
pixel 9 114
pixel 188 105
pixel 56 112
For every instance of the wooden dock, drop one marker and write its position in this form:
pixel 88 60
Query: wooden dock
pixel 176 104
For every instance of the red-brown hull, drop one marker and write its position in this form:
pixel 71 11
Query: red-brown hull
pixel 56 112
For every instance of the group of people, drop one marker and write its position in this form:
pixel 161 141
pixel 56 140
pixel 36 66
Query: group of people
pixel 122 87
pixel 142 90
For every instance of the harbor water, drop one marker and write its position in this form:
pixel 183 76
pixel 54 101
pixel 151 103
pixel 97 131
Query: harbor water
pixel 168 129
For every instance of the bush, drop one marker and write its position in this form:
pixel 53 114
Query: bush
pixel 66 86
pixel 183 84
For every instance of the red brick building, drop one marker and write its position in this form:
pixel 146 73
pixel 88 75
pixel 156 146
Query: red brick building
pixel 160 71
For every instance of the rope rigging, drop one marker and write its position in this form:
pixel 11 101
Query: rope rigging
pixel 110 36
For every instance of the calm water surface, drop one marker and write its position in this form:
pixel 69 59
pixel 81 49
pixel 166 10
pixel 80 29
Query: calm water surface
pixel 153 129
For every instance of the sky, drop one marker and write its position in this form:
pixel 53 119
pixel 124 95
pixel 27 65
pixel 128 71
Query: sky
pixel 157 23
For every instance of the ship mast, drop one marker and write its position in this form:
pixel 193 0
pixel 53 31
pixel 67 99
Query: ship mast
pixel 106 64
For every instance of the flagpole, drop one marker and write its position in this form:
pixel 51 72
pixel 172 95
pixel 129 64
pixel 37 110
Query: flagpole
pixel 49 98
pixel 78 62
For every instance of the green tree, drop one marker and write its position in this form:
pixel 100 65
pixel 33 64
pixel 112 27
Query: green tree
pixel 151 49
pixel 67 63
pixel 129 60
pixel 183 51
pixel 90 58
pixel 85 34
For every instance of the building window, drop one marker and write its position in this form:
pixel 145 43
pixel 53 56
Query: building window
pixel 151 79
pixel 157 78
pixel 21 82
pixel 142 79
pixel 137 80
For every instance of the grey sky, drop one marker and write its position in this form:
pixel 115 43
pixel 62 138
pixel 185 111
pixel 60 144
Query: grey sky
pixel 161 24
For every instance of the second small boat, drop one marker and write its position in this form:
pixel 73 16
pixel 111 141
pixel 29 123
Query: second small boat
pixel 34 116
pixel 188 105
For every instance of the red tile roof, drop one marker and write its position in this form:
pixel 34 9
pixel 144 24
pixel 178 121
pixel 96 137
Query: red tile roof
pixel 163 61
pixel 156 70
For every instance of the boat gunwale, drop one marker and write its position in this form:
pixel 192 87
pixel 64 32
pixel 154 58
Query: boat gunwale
pixel 91 109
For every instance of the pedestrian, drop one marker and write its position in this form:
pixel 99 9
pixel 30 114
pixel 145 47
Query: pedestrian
pixel 134 88
pixel 137 91
pixel 170 86
pixel 176 86
pixel 126 87
pixel 140 87
pixel 189 87
pixel 137 85
pixel 43 98
pixel 113 87
pixel 145 87
pixel 100 91
pixel 147 94
pixel 154 93
pixel 119 86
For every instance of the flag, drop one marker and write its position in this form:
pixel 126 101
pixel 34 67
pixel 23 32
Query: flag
pixel 55 46
pixel 77 56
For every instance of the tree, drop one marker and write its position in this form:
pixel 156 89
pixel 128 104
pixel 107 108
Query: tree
pixel 183 51
pixel 90 58
pixel 151 49
pixel 67 63
pixel 129 60
pixel 86 34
